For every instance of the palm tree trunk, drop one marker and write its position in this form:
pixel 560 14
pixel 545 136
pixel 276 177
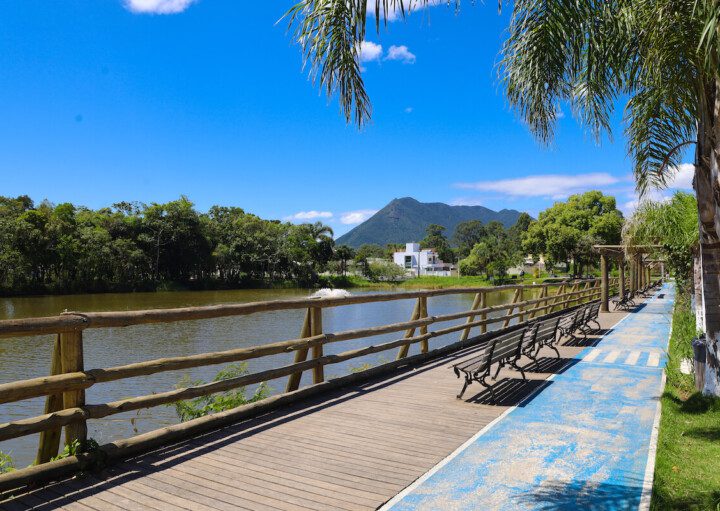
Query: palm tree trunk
pixel 707 188
pixel 697 286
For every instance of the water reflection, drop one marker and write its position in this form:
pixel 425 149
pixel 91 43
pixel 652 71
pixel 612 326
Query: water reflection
pixel 29 357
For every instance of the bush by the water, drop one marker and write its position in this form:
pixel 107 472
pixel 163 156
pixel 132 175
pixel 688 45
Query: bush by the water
pixel 205 405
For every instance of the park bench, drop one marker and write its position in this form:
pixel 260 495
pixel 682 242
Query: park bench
pixel 546 336
pixel 569 323
pixel 592 311
pixel 624 302
pixel 504 349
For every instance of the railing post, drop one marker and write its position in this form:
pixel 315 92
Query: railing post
pixel 604 284
pixel 403 351
pixel 317 350
pixel 557 299
pixel 574 299
pixel 521 297
pixel 516 296
pixel 478 303
pixel 49 442
pixel 424 346
pixel 543 303
pixel 72 360
pixel 301 354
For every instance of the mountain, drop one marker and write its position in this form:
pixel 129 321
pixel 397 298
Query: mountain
pixel 405 220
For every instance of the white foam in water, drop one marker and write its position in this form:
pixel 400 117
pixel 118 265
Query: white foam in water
pixel 330 293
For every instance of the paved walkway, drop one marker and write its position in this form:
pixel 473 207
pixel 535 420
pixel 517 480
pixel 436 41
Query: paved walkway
pixel 585 442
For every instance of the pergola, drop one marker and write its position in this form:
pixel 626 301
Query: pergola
pixel 640 266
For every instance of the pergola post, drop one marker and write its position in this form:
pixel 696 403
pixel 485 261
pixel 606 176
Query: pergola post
pixel 621 267
pixel 643 273
pixel 604 283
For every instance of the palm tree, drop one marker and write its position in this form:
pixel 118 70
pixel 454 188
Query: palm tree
pixel 664 55
pixel 672 224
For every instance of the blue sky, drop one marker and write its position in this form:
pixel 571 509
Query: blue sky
pixel 149 99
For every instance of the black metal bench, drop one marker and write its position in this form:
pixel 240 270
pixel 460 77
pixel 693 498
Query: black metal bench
pixel 545 336
pixel 624 302
pixel 505 349
pixel 571 322
pixel 592 311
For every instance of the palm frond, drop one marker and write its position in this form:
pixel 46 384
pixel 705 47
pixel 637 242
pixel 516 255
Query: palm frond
pixel 330 33
pixel 663 109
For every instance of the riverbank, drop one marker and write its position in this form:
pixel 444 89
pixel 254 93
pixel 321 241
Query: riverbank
pixel 324 281
pixel 686 474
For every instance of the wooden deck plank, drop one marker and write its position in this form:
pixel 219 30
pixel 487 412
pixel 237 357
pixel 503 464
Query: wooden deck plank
pixel 282 478
pixel 267 486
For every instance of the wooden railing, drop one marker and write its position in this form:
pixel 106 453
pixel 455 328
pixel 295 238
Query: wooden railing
pixel 65 387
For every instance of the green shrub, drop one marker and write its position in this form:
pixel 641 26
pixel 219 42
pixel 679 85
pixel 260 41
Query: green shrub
pixel 6 463
pixel 74 448
pixel 683 332
pixel 205 405
pixel 360 368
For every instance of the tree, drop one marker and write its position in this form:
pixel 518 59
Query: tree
pixel 467 234
pixel 365 252
pixel 520 227
pixel 567 230
pixel 343 253
pixel 435 239
pixel 672 224
pixel 663 56
pixel 493 256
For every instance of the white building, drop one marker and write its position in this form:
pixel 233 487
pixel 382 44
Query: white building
pixel 421 262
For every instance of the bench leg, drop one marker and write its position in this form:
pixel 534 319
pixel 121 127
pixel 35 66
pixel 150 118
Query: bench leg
pixel 468 381
pixel 552 347
pixel 500 366
pixel 518 368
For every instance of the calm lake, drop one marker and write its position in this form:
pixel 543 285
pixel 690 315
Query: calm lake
pixel 29 357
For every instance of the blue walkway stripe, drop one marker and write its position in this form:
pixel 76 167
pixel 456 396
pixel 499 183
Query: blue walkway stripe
pixel 582 443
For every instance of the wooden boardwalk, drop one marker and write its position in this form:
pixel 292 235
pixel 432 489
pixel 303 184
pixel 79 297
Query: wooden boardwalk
pixel 351 449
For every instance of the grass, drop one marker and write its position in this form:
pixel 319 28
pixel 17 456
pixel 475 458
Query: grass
pixel 437 282
pixel 687 467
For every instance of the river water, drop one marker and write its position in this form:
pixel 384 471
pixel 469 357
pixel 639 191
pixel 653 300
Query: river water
pixel 30 357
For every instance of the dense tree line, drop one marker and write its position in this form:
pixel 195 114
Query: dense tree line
pixel 132 246
pixel 567 231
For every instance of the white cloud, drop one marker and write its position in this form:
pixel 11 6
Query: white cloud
pixel 370 51
pixel 556 186
pixel 410 6
pixel 400 53
pixel 309 215
pixel 466 201
pixel 682 176
pixel 158 6
pixel 356 217
pixel 630 206
pixel 408 110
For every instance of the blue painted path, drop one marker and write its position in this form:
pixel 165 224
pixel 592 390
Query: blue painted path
pixel 582 443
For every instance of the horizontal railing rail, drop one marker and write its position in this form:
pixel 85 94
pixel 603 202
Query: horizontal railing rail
pixel 71 321
pixel 66 385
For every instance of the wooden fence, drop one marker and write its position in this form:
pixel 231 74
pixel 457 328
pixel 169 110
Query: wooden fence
pixel 65 387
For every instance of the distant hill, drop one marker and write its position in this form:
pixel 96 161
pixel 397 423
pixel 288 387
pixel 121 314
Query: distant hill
pixel 405 220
